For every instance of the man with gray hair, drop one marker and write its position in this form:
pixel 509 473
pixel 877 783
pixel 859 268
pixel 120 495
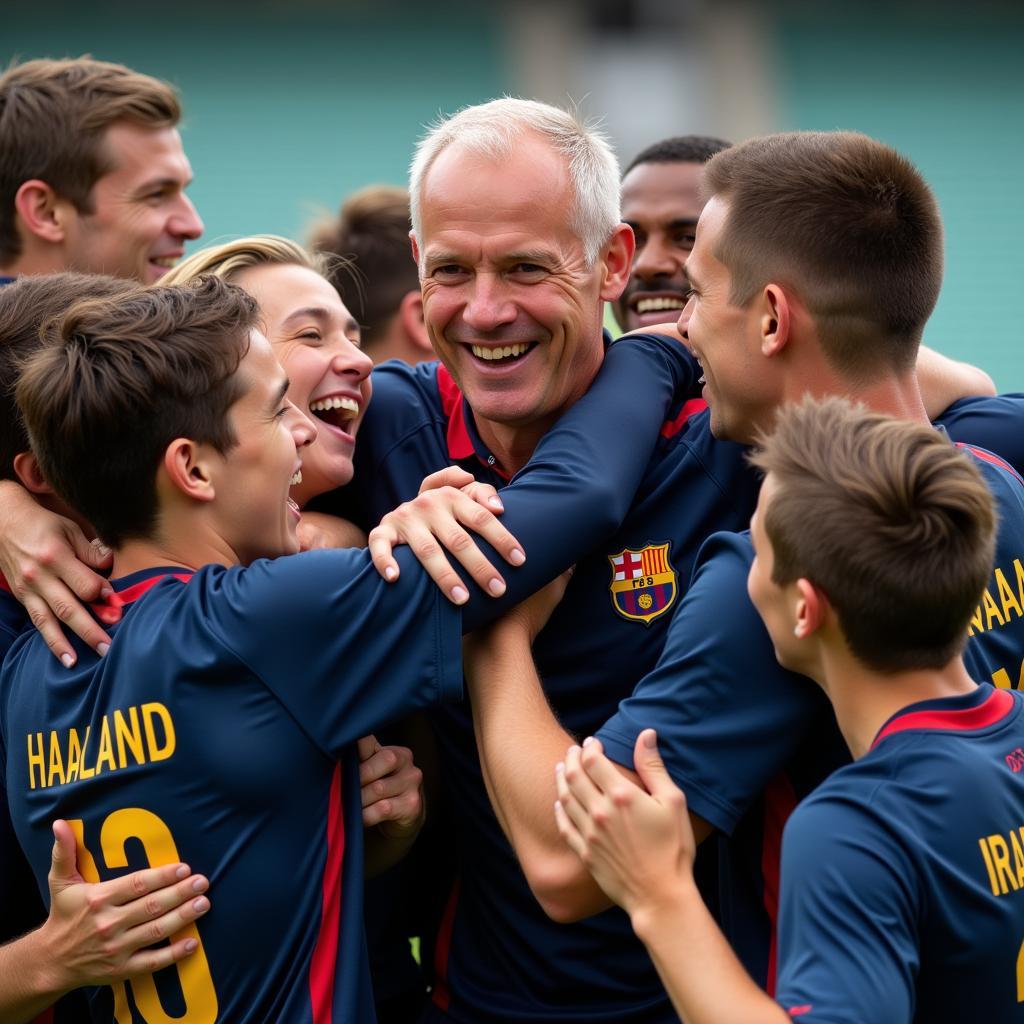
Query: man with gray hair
pixel 518 239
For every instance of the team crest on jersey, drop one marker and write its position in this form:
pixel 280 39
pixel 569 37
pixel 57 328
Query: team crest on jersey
pixel 644 584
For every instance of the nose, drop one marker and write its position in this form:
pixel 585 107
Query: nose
pixel 683 324
pixel 186 222
pixel 351 361
pixel 655 257
pixel 489 304
pixel 302 427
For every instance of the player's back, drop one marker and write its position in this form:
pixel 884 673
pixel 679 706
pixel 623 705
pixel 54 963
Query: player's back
pixel 219 730
pixel 903 874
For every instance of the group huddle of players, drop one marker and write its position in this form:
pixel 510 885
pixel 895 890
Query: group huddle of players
pixel 703 643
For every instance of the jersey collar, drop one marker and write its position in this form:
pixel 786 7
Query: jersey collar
pixel 985 707
pixel 130 588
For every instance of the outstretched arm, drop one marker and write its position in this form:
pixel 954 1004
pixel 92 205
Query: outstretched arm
pixel 635 838
pixel 97 933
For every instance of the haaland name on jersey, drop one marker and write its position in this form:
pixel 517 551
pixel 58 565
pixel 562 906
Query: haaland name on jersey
pixel 995 850
pixel 992 613
pixel 137 735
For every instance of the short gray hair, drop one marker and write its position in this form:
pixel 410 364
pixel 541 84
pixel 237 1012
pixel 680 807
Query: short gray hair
pixel 490 130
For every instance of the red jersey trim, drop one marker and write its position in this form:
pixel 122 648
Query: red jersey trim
pixel 672 427
pixel 460 444
pixel 779 803
pixel 799 1011
pixel 325 954
pixel 995 708
pixel 986 456
pixel 136 590
pixel 4 585
pixel 441 996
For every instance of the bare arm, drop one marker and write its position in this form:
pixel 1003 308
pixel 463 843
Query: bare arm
pixel 636 839
pixel 97 933
pixel 944 381
pixel 320 530
pixel 520 743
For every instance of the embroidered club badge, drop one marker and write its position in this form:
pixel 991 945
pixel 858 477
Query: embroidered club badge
pixel 644 584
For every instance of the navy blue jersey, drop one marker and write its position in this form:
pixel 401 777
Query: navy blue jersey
pixel 993 423
pixel 500 958
pixel 746 739
pixel 220 729
pixel 903 874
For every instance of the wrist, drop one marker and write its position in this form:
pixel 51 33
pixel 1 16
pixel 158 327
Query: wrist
pixel 660 914
pixel 40 965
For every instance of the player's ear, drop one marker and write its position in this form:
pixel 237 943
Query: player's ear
pixel 415 248
pixel 41 212
pixel 189 468
pixel 810 608
pixel 776 315
pixel 617 260
pixel 410 313
pixel 27 470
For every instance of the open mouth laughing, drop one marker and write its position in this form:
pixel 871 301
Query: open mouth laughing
pixel 502 355
pixel 337 411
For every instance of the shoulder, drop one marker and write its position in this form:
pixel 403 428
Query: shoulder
pixel 995 423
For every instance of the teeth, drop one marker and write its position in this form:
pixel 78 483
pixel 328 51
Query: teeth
pixel 499 352
pixel 323 404
pixel 656 305
pixel 296 478
pixel 164 261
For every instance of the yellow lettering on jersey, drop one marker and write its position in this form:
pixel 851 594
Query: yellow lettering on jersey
pixel 128 737
pixel 133 736
pixel 36 761
pixel 1001 858
pixel 106 752
pixel 986 856
pixel 149 712
pixel 992 611
pixel 74 755
pixel 56 762
pixel 86 773
pixel 1007 597
pixel 1018 859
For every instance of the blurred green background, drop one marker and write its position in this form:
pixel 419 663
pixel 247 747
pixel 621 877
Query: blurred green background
pixel 291 106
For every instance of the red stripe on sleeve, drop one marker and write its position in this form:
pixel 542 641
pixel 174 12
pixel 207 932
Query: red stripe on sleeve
pixel 441 996
pixel 325 953
pixel 779 802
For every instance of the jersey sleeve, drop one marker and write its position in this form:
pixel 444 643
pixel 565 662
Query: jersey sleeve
pixel 341 649
pixel 579 484
pixel 849 906
pixel 728 717
pixel 992 422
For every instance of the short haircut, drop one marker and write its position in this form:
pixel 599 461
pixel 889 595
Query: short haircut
pixel 25 306
pixel 492 129
pixel 889 519
pixel 372 229
pixel 231 258
pixel 680 149
pixel 53 117
pixel 118 379
pixel 848 223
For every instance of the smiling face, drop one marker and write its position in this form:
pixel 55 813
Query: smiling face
pixel 256 516
pixel 511 307
pixel 141 217
pixel 316 340
pixel 740 384
pixel 661 203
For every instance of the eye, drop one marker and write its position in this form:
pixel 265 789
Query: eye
pixel 448 270
pixel 684 239
pixel 529 271
pixel 311 335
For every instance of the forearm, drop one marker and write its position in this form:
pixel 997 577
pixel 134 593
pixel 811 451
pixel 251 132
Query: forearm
pixel 700 972
pixel 28 978
pixel 381 851
pixel 520 741
pixel 943 381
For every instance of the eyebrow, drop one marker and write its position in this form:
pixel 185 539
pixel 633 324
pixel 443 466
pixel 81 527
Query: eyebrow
pixel 161 183
pixel 322 314
pixel 530 256
pixel 279 394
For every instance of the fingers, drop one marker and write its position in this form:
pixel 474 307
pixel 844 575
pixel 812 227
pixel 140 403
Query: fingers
pixel 94 553
pixel 569 832
pixel 381 542
pixel 484 494
pixel 649 765
pixel 426 549
pixel 405 808
pixel 63 861
pixel 162 911
pixel 599 769
pixel 450 476
pixel 367 746
pixel 148 961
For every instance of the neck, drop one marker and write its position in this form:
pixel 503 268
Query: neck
pixel 512 446
pixel 182 551
pixel 893 395
pixel 36 261
pixel 864 700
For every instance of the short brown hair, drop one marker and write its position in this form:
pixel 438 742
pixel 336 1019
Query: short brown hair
pixel 890 520
pixel 25 305
pixel 847 222
pixel 118 379
pixel 372 228
pixel 53 116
